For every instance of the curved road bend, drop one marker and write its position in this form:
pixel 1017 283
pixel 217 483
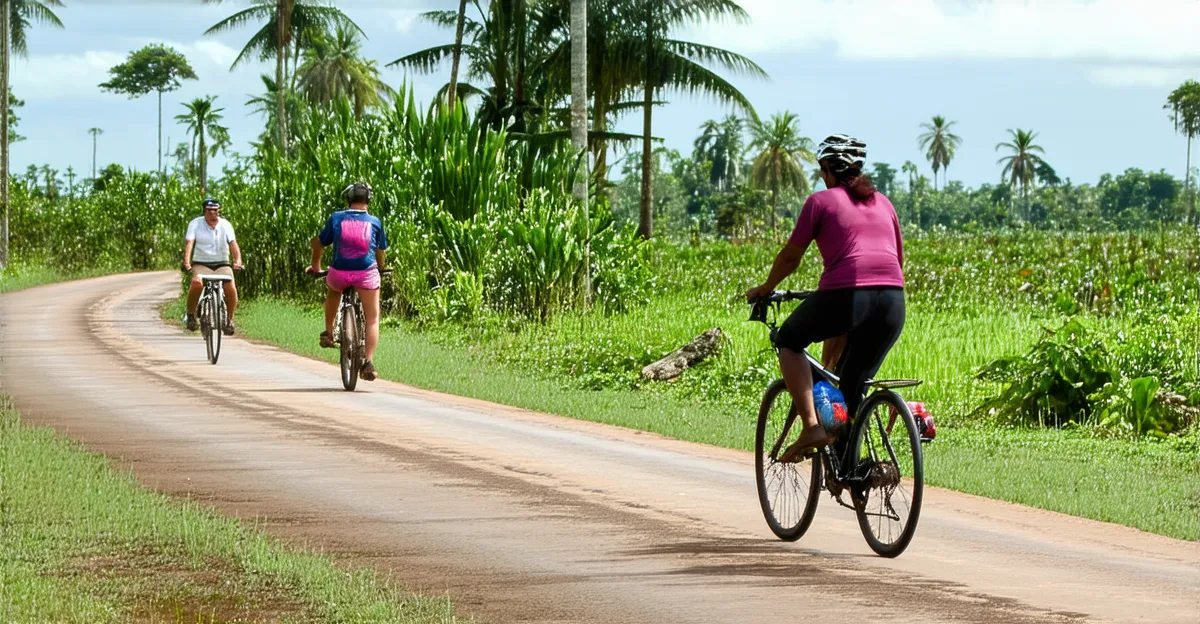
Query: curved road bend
pixel 526 517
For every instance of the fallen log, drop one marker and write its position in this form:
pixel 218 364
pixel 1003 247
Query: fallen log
pixel 673 365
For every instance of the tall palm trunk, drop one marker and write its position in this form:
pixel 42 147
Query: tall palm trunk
pixel 579 129
pixel 458 34
pixel 280 51
pixel 203 154
pixel 1187 186
pixel 646 222
pixel 160 166
pixel 5 12
pixel 519 86
pixel 600 146
pixel 94 135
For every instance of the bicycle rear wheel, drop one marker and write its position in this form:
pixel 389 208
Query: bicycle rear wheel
pixel 887 448
pixel 349 343
pixel 787 492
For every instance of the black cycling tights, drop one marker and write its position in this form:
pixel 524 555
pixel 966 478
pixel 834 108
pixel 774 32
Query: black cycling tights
pixel 872 319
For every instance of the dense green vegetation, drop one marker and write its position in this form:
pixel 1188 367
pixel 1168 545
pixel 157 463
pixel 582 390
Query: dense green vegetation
pixel 1147 483
pixel 81 543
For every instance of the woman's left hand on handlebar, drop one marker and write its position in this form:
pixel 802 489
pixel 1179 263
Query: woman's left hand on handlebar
pixel 757 292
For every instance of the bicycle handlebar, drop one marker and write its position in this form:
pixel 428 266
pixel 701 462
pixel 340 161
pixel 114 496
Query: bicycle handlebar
pixel 183 270
pixel 758 307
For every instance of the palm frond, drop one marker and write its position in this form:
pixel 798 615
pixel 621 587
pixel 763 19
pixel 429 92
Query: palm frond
pixel 427 60
pixel 240 19
pixel 716 56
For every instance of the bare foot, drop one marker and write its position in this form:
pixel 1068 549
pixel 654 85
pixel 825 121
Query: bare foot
pixel 811 438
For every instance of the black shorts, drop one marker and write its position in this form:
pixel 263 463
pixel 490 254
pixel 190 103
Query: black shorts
pixel 871 318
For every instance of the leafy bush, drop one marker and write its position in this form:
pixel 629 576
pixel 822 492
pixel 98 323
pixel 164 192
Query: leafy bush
pixel 1051 384
pixel 1070 377
pixel 1141 407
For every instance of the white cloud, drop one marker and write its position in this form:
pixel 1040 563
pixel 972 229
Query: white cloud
pixel 1118 31
pixel 49 76
pixel 404 20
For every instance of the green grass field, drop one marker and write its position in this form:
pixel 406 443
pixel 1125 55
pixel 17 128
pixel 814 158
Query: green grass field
pixel 1152 485
pixel 81 543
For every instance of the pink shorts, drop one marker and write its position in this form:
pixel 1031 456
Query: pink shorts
pixel 366 279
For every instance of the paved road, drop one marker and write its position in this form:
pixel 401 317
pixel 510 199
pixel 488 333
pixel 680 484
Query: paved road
pixel 522 517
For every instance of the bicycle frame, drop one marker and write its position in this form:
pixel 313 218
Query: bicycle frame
pixel 834 460
pixel 214 290
pixel 349 299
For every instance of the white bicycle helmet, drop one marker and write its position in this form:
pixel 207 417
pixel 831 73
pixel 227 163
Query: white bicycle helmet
pixel 842 149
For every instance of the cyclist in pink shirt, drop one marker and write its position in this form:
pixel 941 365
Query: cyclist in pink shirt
pixel 861 291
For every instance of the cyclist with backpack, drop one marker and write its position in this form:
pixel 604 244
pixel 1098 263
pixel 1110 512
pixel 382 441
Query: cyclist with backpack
pixel 359 245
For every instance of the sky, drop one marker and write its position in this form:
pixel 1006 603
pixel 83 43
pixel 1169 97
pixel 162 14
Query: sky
pixel 1089 76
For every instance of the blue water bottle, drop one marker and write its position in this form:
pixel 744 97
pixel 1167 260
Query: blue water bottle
pixel 831 407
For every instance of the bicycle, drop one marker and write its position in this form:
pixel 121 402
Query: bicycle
pixel 884 480
pixel 350 332
pixel 212 314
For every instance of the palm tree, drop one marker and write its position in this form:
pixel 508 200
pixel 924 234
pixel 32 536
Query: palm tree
pixel 1184 104
pixel 494 37
pixel 95 132
pixel 16 16
pixel 940 143
pixel 289 25
pixel 51 177
pixel 333 67
pixel 721 144
pixel 910 168
pixel 202 120
pixel 681 65
pixel 1021 166
pixel 266 105
pixel 777 167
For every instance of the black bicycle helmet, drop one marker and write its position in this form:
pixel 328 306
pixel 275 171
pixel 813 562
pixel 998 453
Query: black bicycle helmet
pixel 840 151
pixel 357 193
pixel 209 202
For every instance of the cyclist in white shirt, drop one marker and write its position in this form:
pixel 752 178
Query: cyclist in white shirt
pixel 209 242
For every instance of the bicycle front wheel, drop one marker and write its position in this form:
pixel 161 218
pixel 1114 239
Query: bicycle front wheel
pixel 216 327
pixel 890 473
pixel 788 492
pixel 349 339
pixel 206 315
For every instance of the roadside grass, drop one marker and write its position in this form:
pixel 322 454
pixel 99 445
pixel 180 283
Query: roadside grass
pixel 19 276
pixel 1148 484
pixel 80 542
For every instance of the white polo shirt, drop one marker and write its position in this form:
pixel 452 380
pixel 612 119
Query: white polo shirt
pixel 212 243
